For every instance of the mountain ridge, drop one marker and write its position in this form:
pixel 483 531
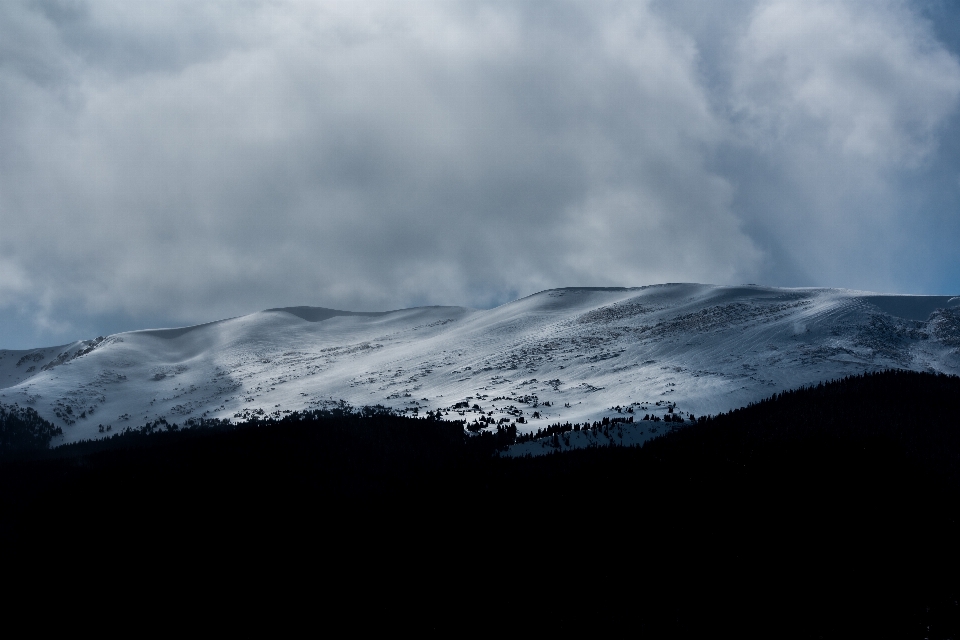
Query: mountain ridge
pixel 568 354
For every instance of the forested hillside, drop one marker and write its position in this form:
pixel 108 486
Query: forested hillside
pixel 829 511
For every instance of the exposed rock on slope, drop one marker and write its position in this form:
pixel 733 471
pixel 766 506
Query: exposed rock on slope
pixel 565 354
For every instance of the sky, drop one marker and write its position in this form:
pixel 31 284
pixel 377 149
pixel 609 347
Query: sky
pixel 172 163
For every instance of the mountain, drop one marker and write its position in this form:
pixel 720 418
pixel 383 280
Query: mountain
pixel 560 355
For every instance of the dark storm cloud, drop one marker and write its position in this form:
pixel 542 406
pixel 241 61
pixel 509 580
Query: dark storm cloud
pixel 166 162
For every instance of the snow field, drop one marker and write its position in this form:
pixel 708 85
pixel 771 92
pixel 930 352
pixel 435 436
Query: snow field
pixel 556 356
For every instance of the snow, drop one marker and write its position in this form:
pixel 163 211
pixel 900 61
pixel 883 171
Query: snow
pixel 621 434
pixel 911 307
pixel 568 354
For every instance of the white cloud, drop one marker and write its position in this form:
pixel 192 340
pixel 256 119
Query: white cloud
pixel 863 80
pixel 841 102
pixel 194 161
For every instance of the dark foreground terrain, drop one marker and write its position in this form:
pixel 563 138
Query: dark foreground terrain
pixel 823 512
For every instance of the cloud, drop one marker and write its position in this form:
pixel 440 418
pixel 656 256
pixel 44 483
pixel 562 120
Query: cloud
pixel 862 82
pixel 841 103
pixel 178 162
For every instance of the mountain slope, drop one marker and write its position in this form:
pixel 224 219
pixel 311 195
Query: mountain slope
pixel 701 348
pixel 831 511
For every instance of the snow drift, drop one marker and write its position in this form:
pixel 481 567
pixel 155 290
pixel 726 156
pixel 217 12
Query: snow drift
pixel 560 355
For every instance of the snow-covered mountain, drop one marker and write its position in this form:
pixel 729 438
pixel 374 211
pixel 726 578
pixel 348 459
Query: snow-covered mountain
pixel 565 354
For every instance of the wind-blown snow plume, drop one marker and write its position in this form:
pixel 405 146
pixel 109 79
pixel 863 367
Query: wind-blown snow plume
pixel 560 355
